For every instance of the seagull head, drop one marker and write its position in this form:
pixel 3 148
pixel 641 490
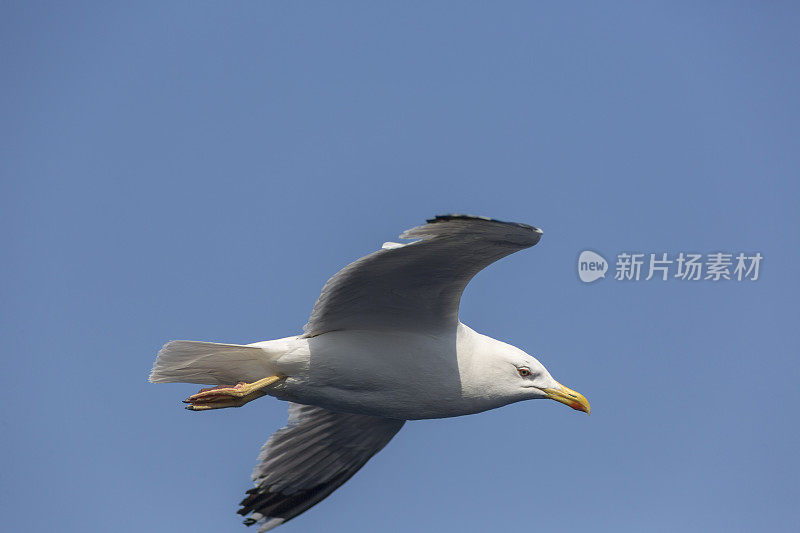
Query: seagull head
pixel 534 381
pixel 504 371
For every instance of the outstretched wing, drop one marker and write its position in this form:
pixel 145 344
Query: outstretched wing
pixel 417 285
pixel 309 458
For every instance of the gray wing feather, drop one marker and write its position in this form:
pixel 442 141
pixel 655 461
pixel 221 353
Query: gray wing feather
pixel 417 285
pixel 305 461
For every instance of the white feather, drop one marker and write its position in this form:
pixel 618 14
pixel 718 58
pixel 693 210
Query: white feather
pixel 211 363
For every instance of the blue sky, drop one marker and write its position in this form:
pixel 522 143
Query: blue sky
pixel 197 170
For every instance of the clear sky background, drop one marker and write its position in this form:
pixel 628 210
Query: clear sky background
pixel 197 170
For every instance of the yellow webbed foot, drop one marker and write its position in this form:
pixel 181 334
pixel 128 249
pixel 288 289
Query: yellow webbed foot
pixel 223 396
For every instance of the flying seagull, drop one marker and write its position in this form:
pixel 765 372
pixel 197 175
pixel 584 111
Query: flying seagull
pixel 383 345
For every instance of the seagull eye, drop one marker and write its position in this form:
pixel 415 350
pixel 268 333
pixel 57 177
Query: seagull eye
pixel 524 372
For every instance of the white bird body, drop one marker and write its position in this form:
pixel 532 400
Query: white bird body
pixel 383 345
pixel 417 375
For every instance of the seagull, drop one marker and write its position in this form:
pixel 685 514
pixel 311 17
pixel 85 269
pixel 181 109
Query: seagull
pixel 383 345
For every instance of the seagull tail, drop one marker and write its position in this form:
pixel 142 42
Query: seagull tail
pixel 211 363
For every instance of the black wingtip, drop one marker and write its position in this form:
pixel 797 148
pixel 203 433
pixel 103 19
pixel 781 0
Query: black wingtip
pixel 458 216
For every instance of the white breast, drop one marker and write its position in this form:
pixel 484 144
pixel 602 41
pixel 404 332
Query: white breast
pixel 382 373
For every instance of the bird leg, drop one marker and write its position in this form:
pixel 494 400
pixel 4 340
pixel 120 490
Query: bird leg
pixel 224 396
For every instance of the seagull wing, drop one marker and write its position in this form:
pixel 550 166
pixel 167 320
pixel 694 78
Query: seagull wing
pixel 416 285
pixel 309 458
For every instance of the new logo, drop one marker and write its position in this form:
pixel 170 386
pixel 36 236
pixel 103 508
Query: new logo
pixel 591 266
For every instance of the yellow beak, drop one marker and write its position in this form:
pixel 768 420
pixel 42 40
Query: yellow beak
pixel 567 396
